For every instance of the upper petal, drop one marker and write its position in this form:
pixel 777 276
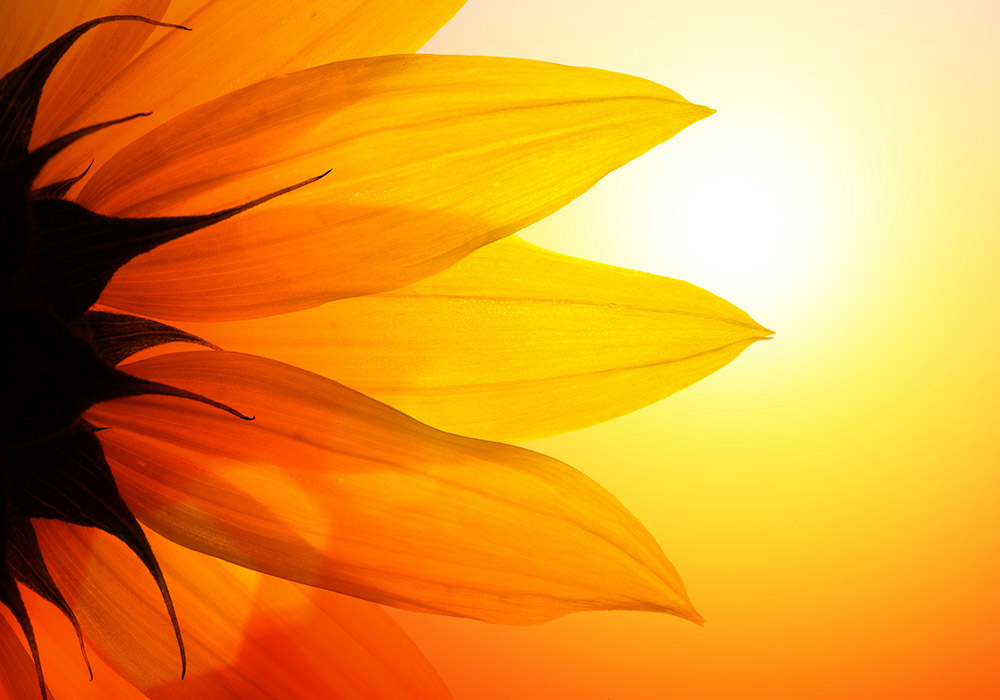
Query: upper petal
pixel 234 43
pixel 431 157
pixel 25 27
pixel 94 62
pixel 249 636
pixel 333 489
pixel 512 343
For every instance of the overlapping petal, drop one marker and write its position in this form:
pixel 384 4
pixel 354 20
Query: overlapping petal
pixel 17 671
pixel 93 62
pixel 431 157
pixel 513 343
pixel 234 43
pixel 28 26
pixel 68 675
pixel 331 488
pixel 249 636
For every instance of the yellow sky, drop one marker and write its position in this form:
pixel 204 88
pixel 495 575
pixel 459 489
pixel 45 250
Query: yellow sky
pixel 830 498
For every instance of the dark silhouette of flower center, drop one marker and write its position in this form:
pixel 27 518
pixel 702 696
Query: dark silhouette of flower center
pixel 59 357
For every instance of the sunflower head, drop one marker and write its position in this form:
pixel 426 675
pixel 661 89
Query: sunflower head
pixel 59 357
pixel 280 469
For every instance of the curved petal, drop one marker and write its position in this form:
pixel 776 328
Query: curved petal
pixel 432 157
pixel 25 27
pixel 513 343
pixel 357 497
pixel 18 680
pixel 249 637
pixel 96 59
pixel 234 43
pixel 66 672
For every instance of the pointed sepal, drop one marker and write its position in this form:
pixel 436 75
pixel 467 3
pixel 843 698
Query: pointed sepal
pixel 21 89
pixel 117 337
pixel 25 561
pixel 67 478
pixel 74 252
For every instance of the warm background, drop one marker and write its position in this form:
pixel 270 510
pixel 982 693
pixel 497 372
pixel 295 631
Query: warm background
pixel 831 497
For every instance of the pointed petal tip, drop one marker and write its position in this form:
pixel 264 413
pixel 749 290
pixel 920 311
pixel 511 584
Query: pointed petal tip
pixel 687 613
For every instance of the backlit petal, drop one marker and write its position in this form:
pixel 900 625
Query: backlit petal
pixel 513 343
pixel 25 27
pixel 431 157
pixel 234 43
pixel 90 65
pixel 249 636
pixel 17 671
pixel 334 489
pixel 68 676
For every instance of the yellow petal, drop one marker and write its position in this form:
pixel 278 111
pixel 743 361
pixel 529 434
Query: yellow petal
pixel 432 157
pixel 234 43
pixel 248 636
pixel 513 343
pixel 331 488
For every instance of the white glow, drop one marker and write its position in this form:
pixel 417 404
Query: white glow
pixel 745 209
pixel 735 217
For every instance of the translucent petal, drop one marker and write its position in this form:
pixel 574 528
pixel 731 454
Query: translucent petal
pixel 249 636
pixel 88 67
pixel 331 488
pixel 234 43
pixel 17 672
pixel 513 343
pixel 67 674
pixel 28 26
pixel 431 157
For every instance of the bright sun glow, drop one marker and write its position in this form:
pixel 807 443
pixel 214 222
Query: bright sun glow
pixel 736 216
pixel 744 213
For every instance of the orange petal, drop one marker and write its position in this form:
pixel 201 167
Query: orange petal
pixel 234 43
pixel 513 343
pixel 93 62
pixel 18 680
pixel 334 489
pixel 432 157
pixel 65 671
pixel 25 27
pixel 248 636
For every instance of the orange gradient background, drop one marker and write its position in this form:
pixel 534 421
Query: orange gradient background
pixel 831 497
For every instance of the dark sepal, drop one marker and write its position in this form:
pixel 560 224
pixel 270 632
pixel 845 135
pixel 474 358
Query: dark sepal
pixel 118 336
pixel 28 168
pixel 16 180
pixel 21 89
pixel 74 252
pixel 67 478
pixel 59 189
pixel 11 596
pixel 26 563
pixel 51 375
pixel 122 385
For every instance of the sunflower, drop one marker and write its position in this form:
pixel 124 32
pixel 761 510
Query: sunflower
pixel 297 187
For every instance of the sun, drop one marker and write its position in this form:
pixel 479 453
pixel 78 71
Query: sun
pixel 738 213
pixel 739 218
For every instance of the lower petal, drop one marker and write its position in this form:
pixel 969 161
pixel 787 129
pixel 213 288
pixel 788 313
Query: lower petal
pixel 18 680
pixel 331 488
pixel 248 636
